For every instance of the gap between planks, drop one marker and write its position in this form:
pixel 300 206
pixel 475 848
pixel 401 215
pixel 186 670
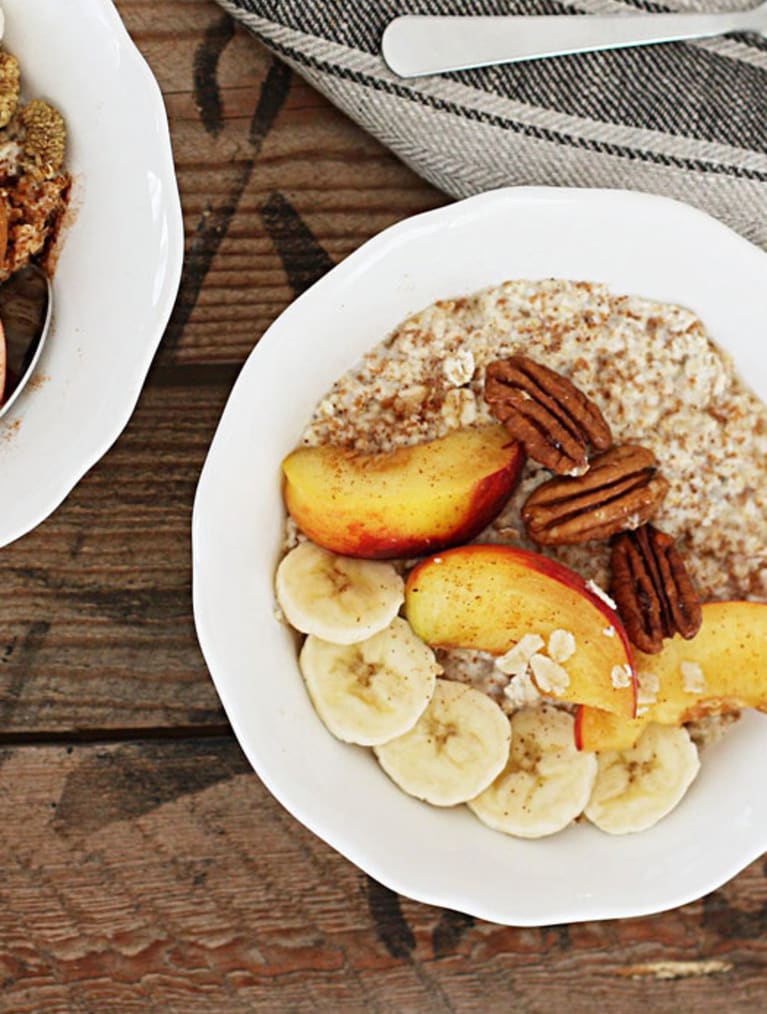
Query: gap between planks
pixel 90 737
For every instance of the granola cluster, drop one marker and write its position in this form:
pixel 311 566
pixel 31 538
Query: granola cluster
pixel 34 186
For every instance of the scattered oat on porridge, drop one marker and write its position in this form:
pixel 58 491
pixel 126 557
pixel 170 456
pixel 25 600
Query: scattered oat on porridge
pixel 558 477
pixel 651 368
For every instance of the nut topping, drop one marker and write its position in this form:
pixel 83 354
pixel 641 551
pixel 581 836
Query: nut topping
pixel 621 490
pixel 547 413
pixel 653 591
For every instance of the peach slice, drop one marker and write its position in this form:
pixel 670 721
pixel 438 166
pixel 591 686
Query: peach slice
pixel 597 730
pixel 723 668
pixel 406 502
pixel 488 597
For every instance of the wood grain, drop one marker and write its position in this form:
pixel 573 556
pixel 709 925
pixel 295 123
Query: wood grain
pixel 144 866
pixel 343 184
pixel 163 876
pixel 97 630
pixel 96 604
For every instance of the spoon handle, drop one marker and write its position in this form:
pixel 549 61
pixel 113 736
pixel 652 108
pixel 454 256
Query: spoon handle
pixel 416 45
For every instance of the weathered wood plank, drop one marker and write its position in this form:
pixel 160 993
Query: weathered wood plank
pixel 97 629
pixel 160 874
pixel 163 876
pixel 96 610
pixel 340 182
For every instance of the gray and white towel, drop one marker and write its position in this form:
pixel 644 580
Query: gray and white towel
pixel 687 120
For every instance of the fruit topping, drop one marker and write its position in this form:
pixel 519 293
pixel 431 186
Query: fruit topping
pixel 546 783
pixel 637 787
pixel 405 502
pixel 338 599
pixel 372 691
pixel 455 750
pixel 511 602
pixel 722 669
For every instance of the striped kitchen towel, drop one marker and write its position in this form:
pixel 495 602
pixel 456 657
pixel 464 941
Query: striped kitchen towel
pixel 687 120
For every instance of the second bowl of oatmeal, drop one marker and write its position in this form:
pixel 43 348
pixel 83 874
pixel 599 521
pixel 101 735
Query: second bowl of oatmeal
pixel 119 262
pixel 591 294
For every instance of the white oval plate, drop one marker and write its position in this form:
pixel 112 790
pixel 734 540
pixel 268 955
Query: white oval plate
pixel 636 244
pixel 121 257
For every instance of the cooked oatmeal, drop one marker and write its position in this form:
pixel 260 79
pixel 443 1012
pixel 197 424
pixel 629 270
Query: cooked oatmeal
pixel 652 369
pixel 670 397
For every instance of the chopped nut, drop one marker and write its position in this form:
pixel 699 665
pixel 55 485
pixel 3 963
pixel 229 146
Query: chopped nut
pixel 693 680
pixel 561 645
pixel 550 677
pixel 521 692
pixel 620 676
pixel 35 206
pixel 516 659
pixel 459 368
pixel 459 408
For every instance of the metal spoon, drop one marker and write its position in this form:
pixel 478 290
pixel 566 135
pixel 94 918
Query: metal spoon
pixel 26 310
pixel 416 45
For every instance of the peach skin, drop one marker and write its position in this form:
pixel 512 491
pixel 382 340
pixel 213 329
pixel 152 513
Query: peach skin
pixel 723 668
pixel 488 597
pixel 406 502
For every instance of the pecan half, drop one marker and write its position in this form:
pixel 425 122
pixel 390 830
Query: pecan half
pixel 547 413
pixel 621 490
pixel 652 589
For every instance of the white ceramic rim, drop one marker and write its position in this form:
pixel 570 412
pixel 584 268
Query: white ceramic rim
pixel 681 888
pixel 51 492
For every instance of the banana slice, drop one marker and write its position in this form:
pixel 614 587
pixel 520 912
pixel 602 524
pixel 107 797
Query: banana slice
pixel 370 692
pixel 456 748
pixel 636 788
pixel 337 598
pixel 546 783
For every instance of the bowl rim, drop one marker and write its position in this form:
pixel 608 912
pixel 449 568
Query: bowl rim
pixel 597 908
pixel 163 165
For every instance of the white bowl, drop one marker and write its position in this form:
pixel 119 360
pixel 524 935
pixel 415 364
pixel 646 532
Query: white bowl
pixel 636 244
pixel 120 261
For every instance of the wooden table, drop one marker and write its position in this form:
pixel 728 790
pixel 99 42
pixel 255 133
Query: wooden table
pixel 144 866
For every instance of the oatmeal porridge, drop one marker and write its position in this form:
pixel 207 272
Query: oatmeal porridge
pixel 652 369
pixel 517 617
